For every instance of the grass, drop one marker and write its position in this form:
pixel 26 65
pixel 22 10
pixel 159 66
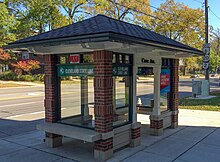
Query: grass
pixel 212 104
pixel 7 85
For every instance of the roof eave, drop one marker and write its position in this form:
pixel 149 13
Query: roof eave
pixel 114 36
pixel 67 40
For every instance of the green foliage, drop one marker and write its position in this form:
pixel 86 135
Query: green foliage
pixel 7 24
pixel 122 10
pixel 215 51
pixel 35 16
pixel 10 75
pixel 181 23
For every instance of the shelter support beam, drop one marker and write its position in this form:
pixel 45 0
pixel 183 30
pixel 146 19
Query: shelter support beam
pixel 52 101
pixel 174 95
pixel 136 127
pixel 103 88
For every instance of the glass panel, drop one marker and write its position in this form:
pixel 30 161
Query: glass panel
pixel 63 59
pixel 70 98
pixel 77 101
pixel 121 99
pixel 114 58
pixel 127 60
pixel 145 89
pixel 88 58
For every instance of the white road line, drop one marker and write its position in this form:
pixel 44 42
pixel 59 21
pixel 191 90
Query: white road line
pixel 27 103
pixel 33 113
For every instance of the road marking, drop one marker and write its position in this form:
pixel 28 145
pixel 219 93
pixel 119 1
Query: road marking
pixel 27 103
pixel 33 113
pixel 35 93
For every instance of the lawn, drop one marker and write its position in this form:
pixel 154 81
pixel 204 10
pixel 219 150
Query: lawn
pixel 212 104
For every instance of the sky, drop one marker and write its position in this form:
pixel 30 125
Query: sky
pixel 213 4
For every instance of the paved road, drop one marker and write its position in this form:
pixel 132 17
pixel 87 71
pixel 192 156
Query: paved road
pixel 22 108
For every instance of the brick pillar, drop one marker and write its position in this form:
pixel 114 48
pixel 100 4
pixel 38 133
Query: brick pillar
pixel 135 134
pixel 103 89
pixel 174 95
pixel 156 125
pixel 52 99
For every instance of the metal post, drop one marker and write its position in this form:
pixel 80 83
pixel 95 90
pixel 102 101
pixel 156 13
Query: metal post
pixel 206 34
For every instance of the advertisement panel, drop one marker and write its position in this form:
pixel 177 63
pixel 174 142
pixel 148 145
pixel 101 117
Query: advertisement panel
pixel 165 81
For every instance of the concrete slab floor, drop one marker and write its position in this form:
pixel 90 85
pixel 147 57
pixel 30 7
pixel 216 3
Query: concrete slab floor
pixel 190 142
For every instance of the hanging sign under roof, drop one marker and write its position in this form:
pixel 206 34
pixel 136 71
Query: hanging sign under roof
pixel 88 70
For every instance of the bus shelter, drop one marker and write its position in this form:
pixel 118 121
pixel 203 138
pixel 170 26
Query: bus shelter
pixel 103 57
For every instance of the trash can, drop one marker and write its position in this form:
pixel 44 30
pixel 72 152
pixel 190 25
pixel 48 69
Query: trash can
pixel 196 87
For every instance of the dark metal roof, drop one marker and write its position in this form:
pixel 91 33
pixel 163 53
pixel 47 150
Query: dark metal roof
pixel 103 24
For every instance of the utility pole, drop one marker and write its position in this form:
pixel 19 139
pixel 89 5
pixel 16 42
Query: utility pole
pixel 207 45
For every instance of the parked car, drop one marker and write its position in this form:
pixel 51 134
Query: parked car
pixel 195 76
pixel 214 75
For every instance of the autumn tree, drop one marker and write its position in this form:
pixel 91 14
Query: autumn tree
pixel 26 66
pixel 181 23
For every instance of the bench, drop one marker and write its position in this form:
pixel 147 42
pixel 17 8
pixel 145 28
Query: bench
pixel 71 131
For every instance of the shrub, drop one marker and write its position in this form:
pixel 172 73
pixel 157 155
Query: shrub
pixel 8 75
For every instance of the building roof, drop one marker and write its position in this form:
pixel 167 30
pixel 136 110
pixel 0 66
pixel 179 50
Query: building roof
pixel 101 24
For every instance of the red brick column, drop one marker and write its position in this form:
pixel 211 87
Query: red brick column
pixel 174 95
pixel 52 99
pixel 103 89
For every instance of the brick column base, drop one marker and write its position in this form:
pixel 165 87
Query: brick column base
pixel 53 140
pixel 135 135
pixel 103 149
pixel 156 125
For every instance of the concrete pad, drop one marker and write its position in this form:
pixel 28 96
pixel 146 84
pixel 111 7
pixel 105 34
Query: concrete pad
pixel 64 160
pixel 8 147
pixel 202 153
pixel 125 153
pixel 2 135
pixel 149 157
pixel 29 139
pixel 170 147
pixel 199 118
pixel 71 149
pixel 213 139
pixel 29 155
pixel 148 140
pixel 179 160
pixel 193 133
pixel 200 97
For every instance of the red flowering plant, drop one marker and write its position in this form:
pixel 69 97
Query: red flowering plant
pixel 4 57
pixel 26 66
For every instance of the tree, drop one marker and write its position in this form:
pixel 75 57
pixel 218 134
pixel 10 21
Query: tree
pixel 7 24
pixel 35 16
pixel 26 66
pixel 122 10
pixel 74 9
pixel 215 51
pixel 181 23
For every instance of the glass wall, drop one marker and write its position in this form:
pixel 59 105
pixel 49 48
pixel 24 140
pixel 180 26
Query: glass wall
pixel 77 89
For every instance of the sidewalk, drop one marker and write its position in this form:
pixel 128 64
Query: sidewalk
pixel 197 139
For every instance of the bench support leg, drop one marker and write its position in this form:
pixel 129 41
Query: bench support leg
pixel 53 140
